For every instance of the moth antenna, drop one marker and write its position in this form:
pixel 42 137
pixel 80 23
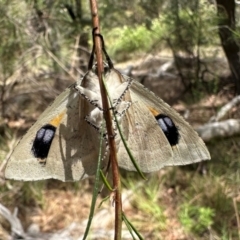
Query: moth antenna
pixel 109 61
pixel 90 63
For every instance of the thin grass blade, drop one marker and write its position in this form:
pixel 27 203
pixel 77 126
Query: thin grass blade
pixel 128 224
pixel 95 189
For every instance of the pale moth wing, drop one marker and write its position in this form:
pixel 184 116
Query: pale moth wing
pixel 74 149
pixel 144 136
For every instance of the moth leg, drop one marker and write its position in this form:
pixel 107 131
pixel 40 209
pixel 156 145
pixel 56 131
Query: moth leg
pixel 97 128
pixel 87 119
pixel 93 98
pixel 122 109
pixel 119 99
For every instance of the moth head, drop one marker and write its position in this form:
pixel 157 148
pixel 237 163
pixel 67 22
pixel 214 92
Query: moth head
pixel 106 68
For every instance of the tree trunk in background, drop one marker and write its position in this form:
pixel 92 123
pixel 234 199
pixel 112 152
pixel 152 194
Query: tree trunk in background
pixel 226 12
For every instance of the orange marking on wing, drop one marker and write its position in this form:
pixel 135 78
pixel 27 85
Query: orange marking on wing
pixel 154 111
pixel 57 120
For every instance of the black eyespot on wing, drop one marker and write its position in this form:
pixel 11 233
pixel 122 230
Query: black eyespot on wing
pixel 43 141
pixel 169 128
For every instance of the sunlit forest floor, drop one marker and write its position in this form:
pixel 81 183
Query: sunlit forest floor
pixel 198 201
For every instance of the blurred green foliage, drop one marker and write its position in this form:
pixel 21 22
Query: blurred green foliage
pixel 136 26
pixel 197 219
pixel 185 28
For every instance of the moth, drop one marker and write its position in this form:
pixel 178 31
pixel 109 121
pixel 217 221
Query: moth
pixel 64 142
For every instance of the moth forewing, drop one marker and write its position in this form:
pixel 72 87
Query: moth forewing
pixel 190 147
pixel 74 149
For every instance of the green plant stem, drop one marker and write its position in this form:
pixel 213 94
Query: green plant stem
pixel 95 189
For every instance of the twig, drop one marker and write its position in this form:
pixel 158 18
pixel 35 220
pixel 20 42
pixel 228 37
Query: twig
pixel 16 226
pixel 74 56
pixel 226 128
pixel 110 132
pixel 223 111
